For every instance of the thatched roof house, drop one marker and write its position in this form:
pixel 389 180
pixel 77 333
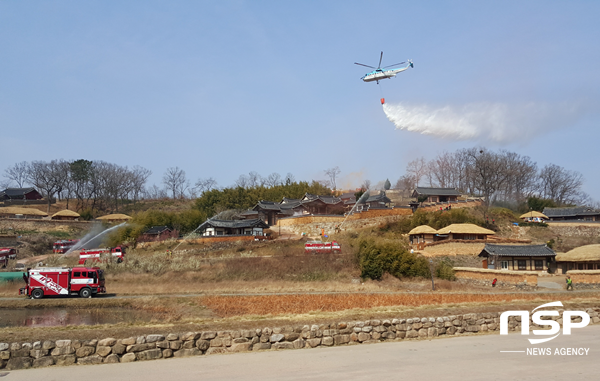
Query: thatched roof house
pixel 421 234
pixel 464 231
pixel 581 258
pixel 15 212
pixel 66 214
pixel 114 218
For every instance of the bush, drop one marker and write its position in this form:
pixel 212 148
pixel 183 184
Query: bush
pixel 444 270
pixel 377 258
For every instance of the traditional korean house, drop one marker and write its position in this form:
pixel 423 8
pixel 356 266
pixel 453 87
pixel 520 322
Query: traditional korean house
pixel 463 232
pixel 10 194
pixel 422 234
pixel 581 258
pixel 233 227
pixel 66 215
pixel 157 233
pixel 519 257
pixel 580 213
pixel 437 194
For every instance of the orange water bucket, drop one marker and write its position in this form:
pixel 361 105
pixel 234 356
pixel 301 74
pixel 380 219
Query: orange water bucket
pixel 382 100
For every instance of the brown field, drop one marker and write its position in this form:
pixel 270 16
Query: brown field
pixel 228 306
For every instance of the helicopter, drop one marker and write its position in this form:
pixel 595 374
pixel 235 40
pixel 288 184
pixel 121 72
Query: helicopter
pixel 378 74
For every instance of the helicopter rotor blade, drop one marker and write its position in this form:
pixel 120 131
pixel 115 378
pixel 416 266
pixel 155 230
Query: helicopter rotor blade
pixel 394 64
pixel 356 63
pixel 380 58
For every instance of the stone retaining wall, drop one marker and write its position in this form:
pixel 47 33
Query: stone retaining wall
pixel 585 278
pixel 69 352
pixel 506 277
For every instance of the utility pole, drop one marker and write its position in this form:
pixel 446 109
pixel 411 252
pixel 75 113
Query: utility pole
pixel 431 271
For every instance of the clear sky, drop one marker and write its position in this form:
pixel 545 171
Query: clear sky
pixel 221 88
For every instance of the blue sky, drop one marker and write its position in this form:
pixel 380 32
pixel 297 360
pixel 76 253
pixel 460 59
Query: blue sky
pixel 224 88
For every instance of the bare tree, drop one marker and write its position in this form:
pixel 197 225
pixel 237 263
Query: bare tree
pixel 332 174
pixel 242 181
pixel 140 176
pixel 417 169
pixel 406 182
pixel 273 179
pixel 254 179
pixel 174 179
pixel 154 192
pixel 289 179
pixel 366 185
pixel 43 176
pixel 206 185
pixel 17 173
pixel 489 173
pixel 559 184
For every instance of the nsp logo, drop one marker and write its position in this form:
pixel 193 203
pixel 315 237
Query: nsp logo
pixel 537 319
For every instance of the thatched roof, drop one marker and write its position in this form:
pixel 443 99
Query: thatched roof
pixel 23 211
pixel 534 214
pixel 585 253
pixel 464 229
pixel 114 217
pixel 66 213
pixel 423 229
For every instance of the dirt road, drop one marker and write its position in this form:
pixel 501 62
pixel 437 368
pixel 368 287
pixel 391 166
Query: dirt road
pixel 450 359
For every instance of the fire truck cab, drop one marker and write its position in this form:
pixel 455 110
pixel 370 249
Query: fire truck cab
pixel 7 253
pixel 99 255
pixel 63 245
pixel 55 281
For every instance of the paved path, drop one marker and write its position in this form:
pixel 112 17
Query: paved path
pixel 461 358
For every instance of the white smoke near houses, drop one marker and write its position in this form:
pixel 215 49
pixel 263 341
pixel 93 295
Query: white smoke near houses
pixel 498 122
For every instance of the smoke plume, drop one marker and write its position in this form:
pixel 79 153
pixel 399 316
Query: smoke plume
pixel 497 122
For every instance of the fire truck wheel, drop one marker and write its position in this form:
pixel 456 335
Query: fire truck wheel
pixel 37 293
pixel 85 293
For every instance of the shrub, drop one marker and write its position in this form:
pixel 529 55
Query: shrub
pixel 534 224
pixel 444 270
pixel 377 258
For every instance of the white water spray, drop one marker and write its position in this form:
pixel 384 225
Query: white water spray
pixel 90 237
pixel 497 122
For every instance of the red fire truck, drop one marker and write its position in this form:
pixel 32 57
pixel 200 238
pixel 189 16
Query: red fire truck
pixel 63 245
pixel 82 281
pixel 7 253
pixel 98 255
pixel 321 247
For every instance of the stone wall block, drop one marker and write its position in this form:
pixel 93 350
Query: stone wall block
pixel 241 347
pixel 63 360
pixel 85 352
pixel 189 344
pixel 367 329
pixel 112 359
pixel 208 335
pixel 283 345
pixel 43 362
pixel 5 346
pixel 423 332
pixel 17 363
pixel 140 347
pixel 363 336
pixel 261 346
pixel 175 345
pixel 195 335
pixel 313 342
pixel 341 339
pixel 140 340
pixel 187 352
pixel 93 359
pixel 127 341
pixel 103 350
pixel 61 351
pixel 172 336
pixel 291 336
pixel 23 352
pixel 128 357
pixel 107 342
pixel 4 355
pixel 154 338
pixel 162 344
pixel 150 354
pixel 119 349
pixel 216 343
pixel 202 345
pixel 327 340
pixel 166 353
pixel 277 337
pixel 37 353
